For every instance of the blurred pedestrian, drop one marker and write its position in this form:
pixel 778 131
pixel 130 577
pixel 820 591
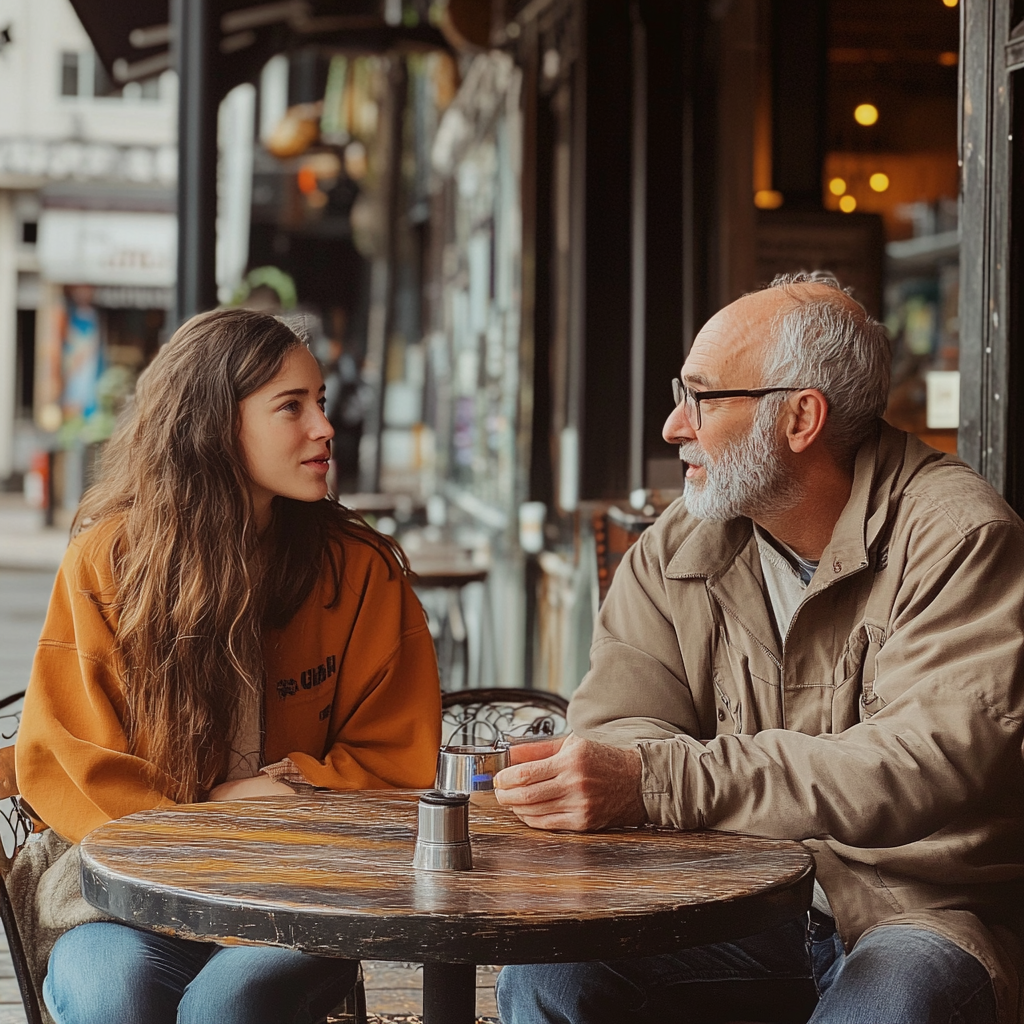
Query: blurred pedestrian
pixel 346 410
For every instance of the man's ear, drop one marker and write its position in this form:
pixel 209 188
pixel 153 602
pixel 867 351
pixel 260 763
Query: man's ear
pixel 807 413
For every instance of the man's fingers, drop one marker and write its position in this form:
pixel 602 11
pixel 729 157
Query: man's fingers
pixel 526 774
pixel 550 791
pixel 535 750
pixel 559 821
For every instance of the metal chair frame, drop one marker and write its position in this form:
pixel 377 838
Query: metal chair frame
pixel 483 717
pixel 15 827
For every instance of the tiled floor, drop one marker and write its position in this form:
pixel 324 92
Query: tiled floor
pixel 390 988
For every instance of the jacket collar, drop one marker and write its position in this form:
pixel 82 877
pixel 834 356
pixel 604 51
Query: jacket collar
pixel 883 469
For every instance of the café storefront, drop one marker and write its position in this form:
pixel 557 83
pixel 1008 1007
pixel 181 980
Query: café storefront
pixel 606 176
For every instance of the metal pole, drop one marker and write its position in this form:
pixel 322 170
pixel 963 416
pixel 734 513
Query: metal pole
pixel 194 34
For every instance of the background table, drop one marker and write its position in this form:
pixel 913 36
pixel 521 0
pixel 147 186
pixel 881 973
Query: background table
pixel 333 873
pixel 460 621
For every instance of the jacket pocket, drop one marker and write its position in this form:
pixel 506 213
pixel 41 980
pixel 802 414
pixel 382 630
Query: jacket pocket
pixel 858 667
pixel 729 711
pixel 742 698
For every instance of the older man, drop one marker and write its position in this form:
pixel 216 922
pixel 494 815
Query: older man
pixel 822 641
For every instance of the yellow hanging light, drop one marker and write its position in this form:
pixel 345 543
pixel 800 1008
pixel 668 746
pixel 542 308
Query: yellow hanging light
pixel 866 114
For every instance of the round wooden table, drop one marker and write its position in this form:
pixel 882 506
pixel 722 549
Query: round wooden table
pixel 332 873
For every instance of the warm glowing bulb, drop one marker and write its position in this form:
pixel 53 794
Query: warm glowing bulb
pixel 879 181
pixel 768 199
pixel 866 114
pixel 948 59
pixel 837 186
pixel 847 204
pixel 951 3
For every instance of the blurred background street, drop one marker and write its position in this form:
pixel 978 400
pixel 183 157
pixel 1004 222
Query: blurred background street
pixel 498 224
pixel 29 555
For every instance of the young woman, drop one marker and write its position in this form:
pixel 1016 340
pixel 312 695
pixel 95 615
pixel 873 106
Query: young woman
pixel 219 630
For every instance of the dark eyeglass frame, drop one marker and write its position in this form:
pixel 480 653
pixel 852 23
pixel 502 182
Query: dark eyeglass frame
pixel 681 393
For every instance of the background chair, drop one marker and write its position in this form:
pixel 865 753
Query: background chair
pixel 615 531
pixel 482 717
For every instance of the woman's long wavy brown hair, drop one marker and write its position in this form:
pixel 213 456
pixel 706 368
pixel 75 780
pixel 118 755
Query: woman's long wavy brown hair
pixel 196 585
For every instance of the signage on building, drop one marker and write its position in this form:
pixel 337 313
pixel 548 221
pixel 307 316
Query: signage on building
pixel 103 248
pixel 61 159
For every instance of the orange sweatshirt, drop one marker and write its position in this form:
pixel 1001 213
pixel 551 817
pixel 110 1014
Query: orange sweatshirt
pixel 352 693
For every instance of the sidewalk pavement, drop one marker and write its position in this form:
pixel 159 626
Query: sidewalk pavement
pixel 25 543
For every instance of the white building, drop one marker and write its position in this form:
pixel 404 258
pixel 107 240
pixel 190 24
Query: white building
pixel 87 174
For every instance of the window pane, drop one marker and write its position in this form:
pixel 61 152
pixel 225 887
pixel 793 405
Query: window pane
pixel 69 74
pixel 103 85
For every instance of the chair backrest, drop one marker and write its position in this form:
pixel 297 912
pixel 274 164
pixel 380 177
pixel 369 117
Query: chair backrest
pixel 484 716
pixel 15 827
pixel 615 531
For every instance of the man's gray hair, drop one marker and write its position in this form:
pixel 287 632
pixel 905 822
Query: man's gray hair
pixel 822 343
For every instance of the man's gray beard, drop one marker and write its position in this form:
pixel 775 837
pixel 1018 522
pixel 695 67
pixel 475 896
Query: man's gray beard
pixel 748 478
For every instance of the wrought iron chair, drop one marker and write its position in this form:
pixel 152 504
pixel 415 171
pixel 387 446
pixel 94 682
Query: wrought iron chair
pixel 15 827
pixel 484 716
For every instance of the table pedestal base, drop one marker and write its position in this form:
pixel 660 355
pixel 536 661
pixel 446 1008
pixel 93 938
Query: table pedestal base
pixel 449 993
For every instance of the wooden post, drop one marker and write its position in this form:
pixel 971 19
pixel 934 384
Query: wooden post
pixel 991 207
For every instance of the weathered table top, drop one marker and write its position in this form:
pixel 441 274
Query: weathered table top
pixel 332 873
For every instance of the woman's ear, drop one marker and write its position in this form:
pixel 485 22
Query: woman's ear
pixel 808 412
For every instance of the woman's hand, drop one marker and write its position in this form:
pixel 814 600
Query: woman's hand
pixel 250 789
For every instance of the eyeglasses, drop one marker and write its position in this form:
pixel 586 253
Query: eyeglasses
pixel 681 393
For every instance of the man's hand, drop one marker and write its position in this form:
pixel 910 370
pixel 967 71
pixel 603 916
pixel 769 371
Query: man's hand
pixel 572 783
pixel 249 789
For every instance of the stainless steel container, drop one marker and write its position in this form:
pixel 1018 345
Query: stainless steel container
pixel 469 769
pixel 442 838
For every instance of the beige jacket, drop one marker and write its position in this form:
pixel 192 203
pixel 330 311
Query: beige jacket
pixel 885 731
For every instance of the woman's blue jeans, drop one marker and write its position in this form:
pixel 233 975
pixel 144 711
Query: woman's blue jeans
pixel 894 975
pixel 107 973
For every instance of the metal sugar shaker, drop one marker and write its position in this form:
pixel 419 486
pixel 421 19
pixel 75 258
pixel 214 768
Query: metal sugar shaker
pixel 442 839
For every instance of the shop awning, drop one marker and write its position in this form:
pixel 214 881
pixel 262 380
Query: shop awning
pixel 134 37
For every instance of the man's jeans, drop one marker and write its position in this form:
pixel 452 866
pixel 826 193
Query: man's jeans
pixel 894 975
pixel 107 973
